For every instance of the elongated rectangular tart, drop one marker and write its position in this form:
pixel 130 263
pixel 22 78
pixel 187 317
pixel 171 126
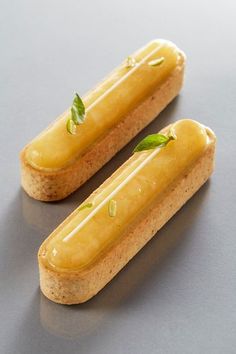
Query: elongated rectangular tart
pixel 84 138
pixel 100 237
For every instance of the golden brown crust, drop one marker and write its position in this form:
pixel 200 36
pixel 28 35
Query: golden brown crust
pixel 51 186
pixel 74 288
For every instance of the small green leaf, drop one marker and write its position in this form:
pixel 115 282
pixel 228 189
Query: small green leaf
pixel 77 115
pixel 78 110
pixel 70 126
pixel 154 140
pixel 112 207
pixel 156 62
pixel 85 206
pixel 130 62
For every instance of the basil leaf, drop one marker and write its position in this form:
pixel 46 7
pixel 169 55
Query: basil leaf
pixel 152 141
pixel 156 62
pixel 77 115
pixel 78 110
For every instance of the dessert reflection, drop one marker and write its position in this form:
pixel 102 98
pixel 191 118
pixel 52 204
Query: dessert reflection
pixel 130 285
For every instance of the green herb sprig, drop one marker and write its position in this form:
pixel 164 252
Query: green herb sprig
pixel 77 115
pixel 154 140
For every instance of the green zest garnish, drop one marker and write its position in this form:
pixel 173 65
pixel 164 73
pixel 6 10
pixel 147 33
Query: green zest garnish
pixel 154 140
pixel 130 62
pixel 112 207
pixel 156 62
pixel 85 206
pixel 77 114
pixel 70 126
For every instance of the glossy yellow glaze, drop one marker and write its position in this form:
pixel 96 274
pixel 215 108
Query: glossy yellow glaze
pixel 105 106
pixel 143 178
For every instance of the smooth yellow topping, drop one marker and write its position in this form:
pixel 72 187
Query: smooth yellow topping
pixel 145 177
pixel 105 106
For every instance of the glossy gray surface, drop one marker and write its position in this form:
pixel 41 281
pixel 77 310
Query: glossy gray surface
pixel 178 294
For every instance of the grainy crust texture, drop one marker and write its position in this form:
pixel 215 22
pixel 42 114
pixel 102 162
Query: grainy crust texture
pixel 51 186
pixel 74 288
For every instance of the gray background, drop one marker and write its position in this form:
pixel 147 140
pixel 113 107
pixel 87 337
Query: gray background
pixel 178 294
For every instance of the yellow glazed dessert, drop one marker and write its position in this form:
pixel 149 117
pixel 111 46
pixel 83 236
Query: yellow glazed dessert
pixel 122 91
pixel 111 219
pixel 116 110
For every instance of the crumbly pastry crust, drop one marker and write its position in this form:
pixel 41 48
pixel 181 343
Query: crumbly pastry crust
pixel 76 287
pixel 56 185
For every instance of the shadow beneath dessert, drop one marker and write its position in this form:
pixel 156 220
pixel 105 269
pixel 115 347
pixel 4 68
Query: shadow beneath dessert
pixel 21 240
pixel 130 287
